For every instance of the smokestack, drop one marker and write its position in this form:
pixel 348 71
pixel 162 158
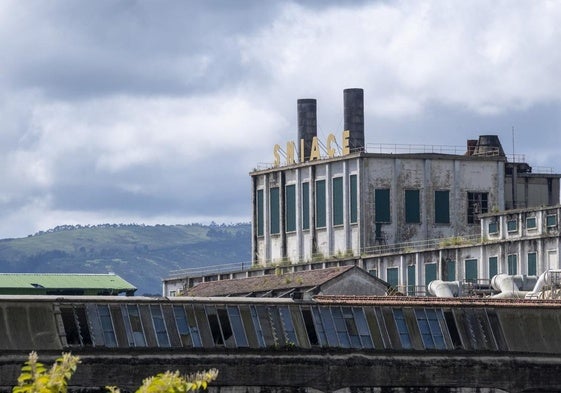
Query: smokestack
pixel 307 124
pixel 489 145
pixel 353 103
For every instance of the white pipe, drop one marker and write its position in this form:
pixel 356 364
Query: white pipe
pixel 512 286
pixel 441 288
pixel 543 279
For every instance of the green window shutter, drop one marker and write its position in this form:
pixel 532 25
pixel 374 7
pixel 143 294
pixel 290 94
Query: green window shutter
pixel 337 201
pixel 442 207
pixel 412 208
pixel 392 276
pixel 411 280
pixel 493 268
pixel 353 202
pixel 382 205
pixel 274 210
pixel 471 270
pixel 290 209
pixel 320 204
pixel 512 264
pixel 450 269
pixel 260 217
pixel 306 205
pixel 430 273
pixel 532 266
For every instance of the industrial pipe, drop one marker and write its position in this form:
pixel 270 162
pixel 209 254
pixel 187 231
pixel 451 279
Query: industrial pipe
pixel 441 288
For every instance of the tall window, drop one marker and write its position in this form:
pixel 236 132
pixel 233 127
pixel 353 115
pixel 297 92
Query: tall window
pixel 382 205
pixel 450 270
pixel 430 272
pixel 337 200
pixel 532 268
pixel 412 207
pixel 392 276
pixel 274 210
pixel 442 207
pixel 411 280
pixel 353 200
pixel 477 204
pixel 512 264
pixel 260 225
pixel 290 209
pixel 471 270
pixel 306 205
pixel 493 268
pixel 320 204
pixel 402 328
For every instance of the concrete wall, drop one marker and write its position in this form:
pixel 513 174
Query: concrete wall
pixel 314 372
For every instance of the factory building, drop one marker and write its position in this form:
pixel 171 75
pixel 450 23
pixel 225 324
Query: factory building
pixel 340 197
pixel 408 215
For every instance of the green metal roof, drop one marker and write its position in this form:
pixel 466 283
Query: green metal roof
pixel 24 281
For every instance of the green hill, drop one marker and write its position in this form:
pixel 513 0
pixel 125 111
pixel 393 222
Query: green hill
pixel 140 254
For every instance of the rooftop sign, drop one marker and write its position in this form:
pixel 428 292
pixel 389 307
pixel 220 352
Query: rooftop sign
pixel 315 153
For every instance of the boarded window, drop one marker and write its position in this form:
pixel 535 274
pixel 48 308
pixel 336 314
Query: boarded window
pixel 353 199
pixel 290 207
pixel 430 273
pixel 412 206
pixel 442 207
pixel 471 270
pixel 532 268
pixel 512 264
pixel 320 204
pixel 450 270
pixel 493 268
pixel 274 210
pixel 382 205
pixel 260 217
pixel 411 280
pixel 337 201
pixel 392 275
pixel 306 205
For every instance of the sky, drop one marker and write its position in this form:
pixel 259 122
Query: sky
pixel 155 112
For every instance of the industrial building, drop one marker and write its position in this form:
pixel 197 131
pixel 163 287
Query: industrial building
pixel 406 214
pixel 344 197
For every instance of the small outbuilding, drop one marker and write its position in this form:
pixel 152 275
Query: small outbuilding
pixel 346 280
pixel 64 284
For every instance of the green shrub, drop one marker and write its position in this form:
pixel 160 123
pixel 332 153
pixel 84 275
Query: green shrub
pixel 35 378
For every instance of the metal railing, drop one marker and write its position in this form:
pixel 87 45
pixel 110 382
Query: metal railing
pixel 397 248
pixel 421 245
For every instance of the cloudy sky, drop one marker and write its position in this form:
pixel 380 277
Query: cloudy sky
pixel 156 111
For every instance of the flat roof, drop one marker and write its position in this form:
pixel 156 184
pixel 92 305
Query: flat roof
pixel 64 280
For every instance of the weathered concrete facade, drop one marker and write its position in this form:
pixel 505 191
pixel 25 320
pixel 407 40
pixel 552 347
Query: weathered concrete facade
pixel 325 201
pixel 396 174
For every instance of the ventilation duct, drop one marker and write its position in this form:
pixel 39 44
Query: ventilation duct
pixel 441 288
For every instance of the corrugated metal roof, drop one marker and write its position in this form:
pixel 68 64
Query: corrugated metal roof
pixel 63 280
